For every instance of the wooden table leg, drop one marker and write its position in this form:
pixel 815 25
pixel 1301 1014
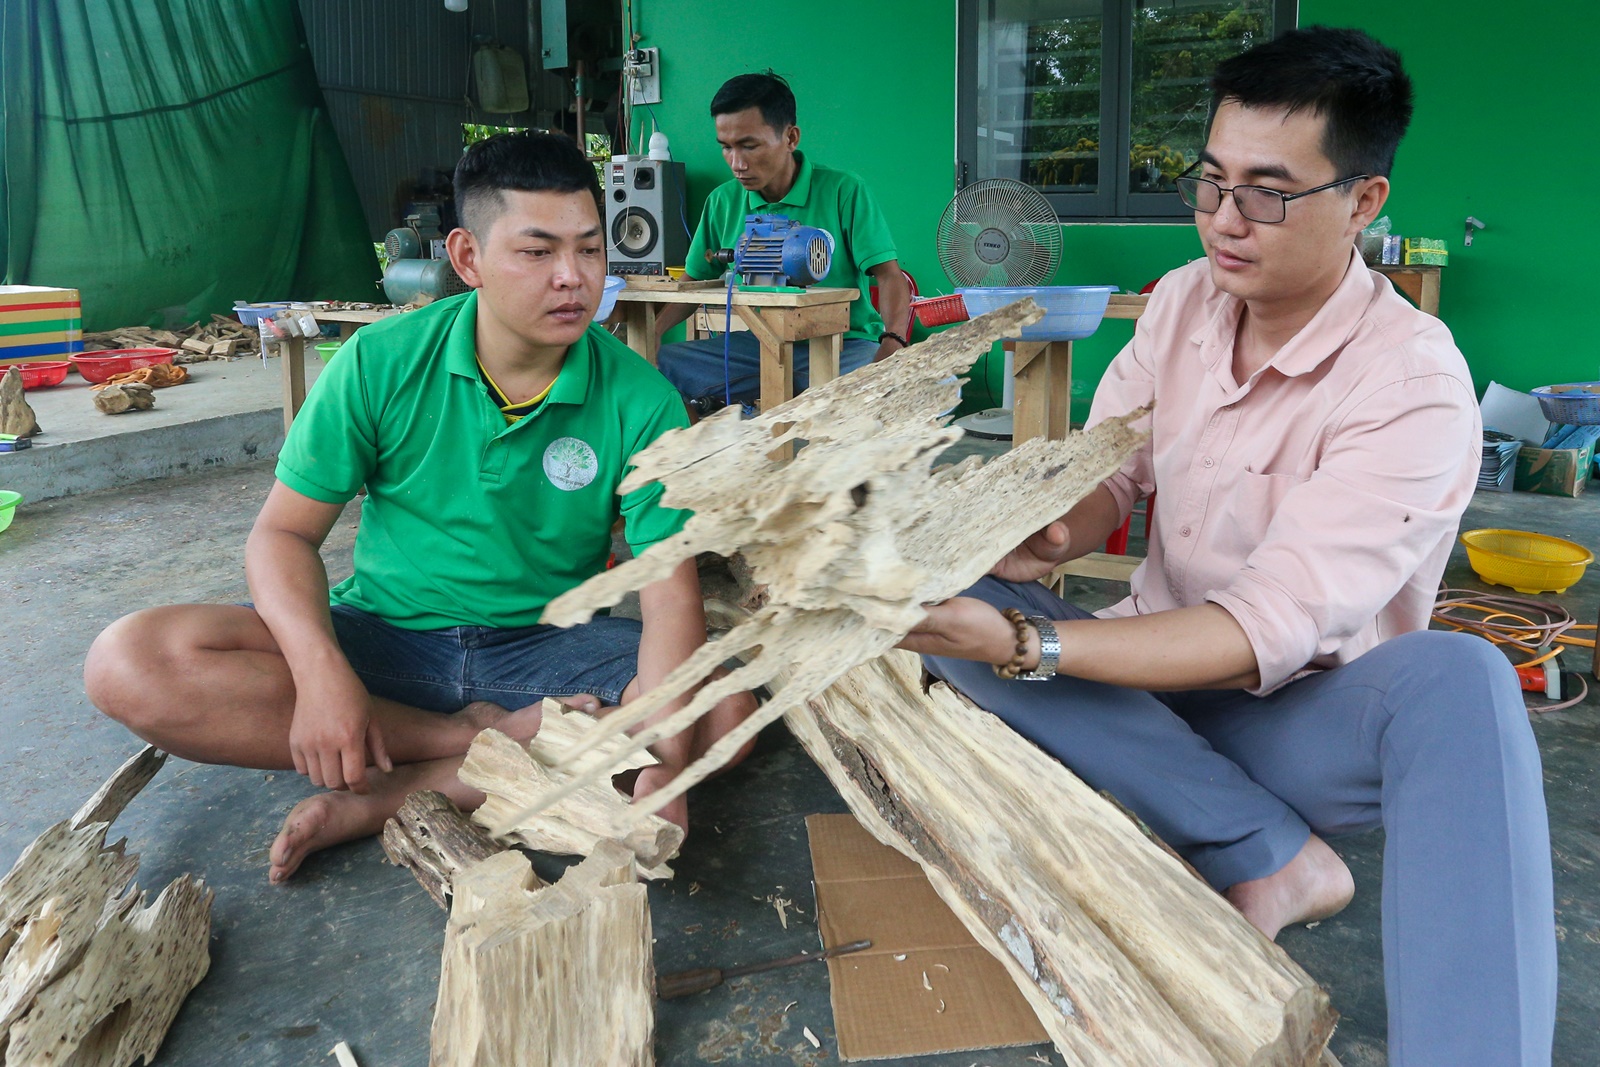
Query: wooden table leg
pixel 1059 407
pixel 825 353
pixel 639 318
pixel 347 330
pixel 777 384
pixel 1429 299
pixel 1031 370
pixel 292 354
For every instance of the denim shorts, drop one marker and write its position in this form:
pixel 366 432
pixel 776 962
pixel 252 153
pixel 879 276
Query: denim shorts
pixel 444 670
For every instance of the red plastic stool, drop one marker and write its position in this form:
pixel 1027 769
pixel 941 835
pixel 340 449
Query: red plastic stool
pixel 1117 543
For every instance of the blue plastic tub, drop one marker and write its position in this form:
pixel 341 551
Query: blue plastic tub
pixel 1573 404
pixel 1071 312
pixel 251 314
pixel 608 298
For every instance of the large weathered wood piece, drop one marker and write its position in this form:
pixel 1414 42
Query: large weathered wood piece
pixel 851 538
pixel 547 976
pixel 1127 958
pixel 89 976
pixel 513 776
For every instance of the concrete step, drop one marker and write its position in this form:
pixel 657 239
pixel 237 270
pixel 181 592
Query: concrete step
pixel 226 414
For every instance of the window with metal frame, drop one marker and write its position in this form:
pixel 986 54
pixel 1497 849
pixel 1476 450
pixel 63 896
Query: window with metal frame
pixel 1098 104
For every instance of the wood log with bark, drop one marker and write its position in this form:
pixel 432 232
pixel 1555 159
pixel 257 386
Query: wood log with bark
pixel 547 976
pixel 89 976
pixel 1126 956
pixel 431 838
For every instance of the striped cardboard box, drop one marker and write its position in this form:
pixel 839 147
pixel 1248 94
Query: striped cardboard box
pixel 39 323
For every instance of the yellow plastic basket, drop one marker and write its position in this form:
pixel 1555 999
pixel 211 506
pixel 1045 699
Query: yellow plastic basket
pixel 1527 562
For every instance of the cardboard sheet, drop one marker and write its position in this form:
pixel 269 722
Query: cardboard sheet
pixel 925 986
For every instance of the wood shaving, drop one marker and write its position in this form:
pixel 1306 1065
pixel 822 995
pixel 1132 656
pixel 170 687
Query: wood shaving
pixel 782 904
pixel 943 967
pixel 851 538
pixel 789 1005
pixel 900 957
pixel 342 1053
pixel 941 1007
pixel 925 983
pixel 809 1036
pixel 694 887
pixel 1039 1058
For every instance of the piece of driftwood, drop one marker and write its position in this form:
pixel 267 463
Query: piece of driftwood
pixel 89 976
pixel 126 396
pixel 513 776
pixel 1125 955
pixel 547 976
pixel 16 416
pixel 431 838
pixel 851 538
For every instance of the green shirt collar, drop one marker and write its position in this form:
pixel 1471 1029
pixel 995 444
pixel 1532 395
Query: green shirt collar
pixel 797 195
pixel 461 357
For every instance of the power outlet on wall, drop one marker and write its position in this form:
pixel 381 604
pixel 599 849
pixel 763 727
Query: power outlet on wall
pixel 642 69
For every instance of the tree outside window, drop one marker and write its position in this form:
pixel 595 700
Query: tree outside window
pixel 1099 104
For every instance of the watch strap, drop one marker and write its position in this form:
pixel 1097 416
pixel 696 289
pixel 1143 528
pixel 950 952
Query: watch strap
pixel 1049 650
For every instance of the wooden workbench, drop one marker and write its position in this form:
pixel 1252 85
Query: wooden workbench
pixel 293 355
pixel 1420 283
pixel 1042 373
pixel 820 316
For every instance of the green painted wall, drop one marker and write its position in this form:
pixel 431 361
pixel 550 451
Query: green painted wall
pixel 1494 136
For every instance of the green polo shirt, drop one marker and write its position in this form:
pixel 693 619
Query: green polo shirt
pixel 833 200
pixel 469 521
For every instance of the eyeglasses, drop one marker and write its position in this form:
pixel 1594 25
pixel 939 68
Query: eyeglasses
pixel 1255 202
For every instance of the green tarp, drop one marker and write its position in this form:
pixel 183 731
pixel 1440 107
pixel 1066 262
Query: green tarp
pixel 167 157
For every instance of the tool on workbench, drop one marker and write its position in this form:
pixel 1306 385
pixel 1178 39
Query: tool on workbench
pixel 685 983
pixel 777 254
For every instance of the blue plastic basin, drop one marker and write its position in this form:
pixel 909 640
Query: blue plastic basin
pixel 1071 312
pixel 608 298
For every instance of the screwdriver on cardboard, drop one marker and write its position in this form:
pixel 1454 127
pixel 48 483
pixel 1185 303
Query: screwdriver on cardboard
pixel 699 980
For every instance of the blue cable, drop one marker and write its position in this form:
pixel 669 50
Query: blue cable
pixel 727 348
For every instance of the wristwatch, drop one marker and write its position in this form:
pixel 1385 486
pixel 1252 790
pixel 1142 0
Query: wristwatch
pixel 1049 650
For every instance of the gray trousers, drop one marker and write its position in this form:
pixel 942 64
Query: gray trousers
pixel 1425 735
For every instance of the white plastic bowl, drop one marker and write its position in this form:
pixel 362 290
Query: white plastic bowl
pixel 608 298
pixel 1071 312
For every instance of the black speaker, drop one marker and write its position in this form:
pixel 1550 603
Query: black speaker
pixel 646 229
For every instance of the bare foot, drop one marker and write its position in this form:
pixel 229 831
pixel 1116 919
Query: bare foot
pixel 324 820
pixel 519 725
pixel 1313 885
pixel 654 777
pixel 328 819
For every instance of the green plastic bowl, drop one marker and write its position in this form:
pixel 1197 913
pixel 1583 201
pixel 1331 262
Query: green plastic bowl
pixel 8 506
pixel 326 350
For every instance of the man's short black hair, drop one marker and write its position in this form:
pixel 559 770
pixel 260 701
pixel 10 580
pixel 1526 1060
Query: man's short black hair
pixel 528 162
pixel 766 91
pixel 1355 82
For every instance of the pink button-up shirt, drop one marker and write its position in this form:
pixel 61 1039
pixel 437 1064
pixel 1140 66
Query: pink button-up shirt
pixel 1317 501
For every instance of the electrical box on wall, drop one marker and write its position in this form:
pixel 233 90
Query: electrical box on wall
pixel 642 72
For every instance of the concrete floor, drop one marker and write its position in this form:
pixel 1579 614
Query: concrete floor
pixel 350 949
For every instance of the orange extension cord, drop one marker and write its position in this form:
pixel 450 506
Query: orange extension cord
pixel 1538 628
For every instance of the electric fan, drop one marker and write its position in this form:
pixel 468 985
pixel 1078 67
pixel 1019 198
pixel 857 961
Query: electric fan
pixel 999 240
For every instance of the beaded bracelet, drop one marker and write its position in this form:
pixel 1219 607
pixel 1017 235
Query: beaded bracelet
pixel 1013 667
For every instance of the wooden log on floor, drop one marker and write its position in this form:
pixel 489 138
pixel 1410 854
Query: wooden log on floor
pixel 1125 956
pixel 547 976
pixel 88 975
pixel 431 837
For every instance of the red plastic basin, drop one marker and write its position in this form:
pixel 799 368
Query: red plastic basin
pixel 39 375
pixel 96 367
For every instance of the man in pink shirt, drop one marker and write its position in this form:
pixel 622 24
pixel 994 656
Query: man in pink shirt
pixel 1271 678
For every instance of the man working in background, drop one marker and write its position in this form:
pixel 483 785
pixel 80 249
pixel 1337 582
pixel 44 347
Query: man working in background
pixel 755 120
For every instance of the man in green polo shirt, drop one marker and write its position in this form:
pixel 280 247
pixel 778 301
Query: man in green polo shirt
pixel 755 121
pixel 491 431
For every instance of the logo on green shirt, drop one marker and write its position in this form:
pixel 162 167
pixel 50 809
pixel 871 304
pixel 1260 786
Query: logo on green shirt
pixel 570 463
